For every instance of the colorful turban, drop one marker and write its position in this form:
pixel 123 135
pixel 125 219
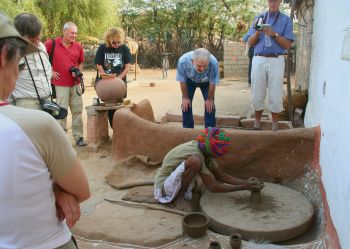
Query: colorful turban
pixel 213 142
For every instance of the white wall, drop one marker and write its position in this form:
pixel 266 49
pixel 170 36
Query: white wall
pixel 329 107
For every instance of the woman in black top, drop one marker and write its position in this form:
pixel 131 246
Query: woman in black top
pixel 113 57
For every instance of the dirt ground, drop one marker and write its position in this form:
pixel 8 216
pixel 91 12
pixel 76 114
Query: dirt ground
pixel 109 225
pixel 109 222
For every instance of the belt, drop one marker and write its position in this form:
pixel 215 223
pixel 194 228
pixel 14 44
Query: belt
pixel 269 55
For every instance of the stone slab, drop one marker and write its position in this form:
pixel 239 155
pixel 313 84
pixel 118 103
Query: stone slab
pixel 282 214
pixel 266 124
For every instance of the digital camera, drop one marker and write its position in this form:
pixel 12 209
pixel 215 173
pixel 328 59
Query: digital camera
pixel 76 70
pixel 259 25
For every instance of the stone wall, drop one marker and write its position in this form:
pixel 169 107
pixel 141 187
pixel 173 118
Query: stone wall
pixel 235 61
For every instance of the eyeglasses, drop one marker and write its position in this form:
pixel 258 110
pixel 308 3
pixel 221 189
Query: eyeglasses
pixel 21 66
pixel 116 43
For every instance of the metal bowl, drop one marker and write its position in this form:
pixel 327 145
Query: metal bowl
pixel 195 224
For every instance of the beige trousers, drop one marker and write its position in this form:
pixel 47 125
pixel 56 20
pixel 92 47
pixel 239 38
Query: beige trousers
pixel 267 77
pixel 67 96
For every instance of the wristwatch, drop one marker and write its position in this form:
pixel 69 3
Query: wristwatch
pixel 275 36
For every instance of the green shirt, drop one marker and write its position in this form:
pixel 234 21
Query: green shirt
pixel 178 154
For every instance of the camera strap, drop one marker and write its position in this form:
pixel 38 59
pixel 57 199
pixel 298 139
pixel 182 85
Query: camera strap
pixel 47 79
pixel 31 75
pixel 268 14
pixel 81 85
pixel 62 111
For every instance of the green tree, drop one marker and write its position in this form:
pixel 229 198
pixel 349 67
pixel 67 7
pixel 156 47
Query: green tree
pixel 93 17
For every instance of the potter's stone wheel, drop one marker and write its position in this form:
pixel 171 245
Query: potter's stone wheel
pixel 282 214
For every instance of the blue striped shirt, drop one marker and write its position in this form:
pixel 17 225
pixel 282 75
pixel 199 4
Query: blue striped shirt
pixel 185 70
pixel 283 26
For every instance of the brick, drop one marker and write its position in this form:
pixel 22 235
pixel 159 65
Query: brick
pixel 173 117
pixel 227 121
pixel 266 124
pixel 97 128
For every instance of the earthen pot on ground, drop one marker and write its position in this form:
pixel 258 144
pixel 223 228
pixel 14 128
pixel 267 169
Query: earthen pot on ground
pixel 111 91
pixel 235 241
pixel 195 224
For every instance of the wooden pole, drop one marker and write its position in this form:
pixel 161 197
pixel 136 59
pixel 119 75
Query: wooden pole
pixel 289 89
pixel 135 63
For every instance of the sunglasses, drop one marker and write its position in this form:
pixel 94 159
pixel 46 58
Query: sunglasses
pixel 21 66
pixel 116 43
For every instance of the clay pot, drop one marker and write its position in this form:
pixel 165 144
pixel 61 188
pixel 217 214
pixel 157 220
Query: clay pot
pixel 235 241
pixel 111 91
pixel 255 197
pixel 214 245
pixel 195 224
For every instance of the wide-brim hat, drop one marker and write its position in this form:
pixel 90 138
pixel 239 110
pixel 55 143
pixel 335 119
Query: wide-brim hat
pixel 8 30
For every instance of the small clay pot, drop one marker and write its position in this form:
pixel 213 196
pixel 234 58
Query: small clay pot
pixel 235 241
pixel 214 245
pixel 195 224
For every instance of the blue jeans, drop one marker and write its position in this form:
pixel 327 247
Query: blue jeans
pixel 187 117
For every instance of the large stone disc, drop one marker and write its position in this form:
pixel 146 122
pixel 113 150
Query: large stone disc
pixel 283 213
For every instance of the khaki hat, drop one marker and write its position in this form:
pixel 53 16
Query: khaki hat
pixel 8 30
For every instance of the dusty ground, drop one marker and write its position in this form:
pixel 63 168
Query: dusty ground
pixel 102 220
pixel 127 225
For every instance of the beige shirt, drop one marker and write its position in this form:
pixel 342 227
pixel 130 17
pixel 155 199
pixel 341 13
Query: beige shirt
pixel 24 86
pixel 34 151
pixel 178 154
pixel 46 135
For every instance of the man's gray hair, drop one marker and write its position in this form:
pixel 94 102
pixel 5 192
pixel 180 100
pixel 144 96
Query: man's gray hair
pixel 201 54
pixel 68 25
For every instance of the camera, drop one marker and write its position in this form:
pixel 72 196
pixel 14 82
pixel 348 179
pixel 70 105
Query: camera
pixel 79 81
pixel 259 25
pixel 50 107
pixel 76 70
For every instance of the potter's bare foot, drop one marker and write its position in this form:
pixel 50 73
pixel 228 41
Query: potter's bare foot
pixel 186 205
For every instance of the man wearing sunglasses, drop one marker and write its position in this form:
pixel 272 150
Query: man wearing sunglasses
pixel 67 53
pixel 272 34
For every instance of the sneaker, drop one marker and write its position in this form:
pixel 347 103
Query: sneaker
pixel 80 142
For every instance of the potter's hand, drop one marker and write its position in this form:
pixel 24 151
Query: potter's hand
pixel 209 105
pixel 256 183
pixel 55 75
pixel 186 103
pixel 67 207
